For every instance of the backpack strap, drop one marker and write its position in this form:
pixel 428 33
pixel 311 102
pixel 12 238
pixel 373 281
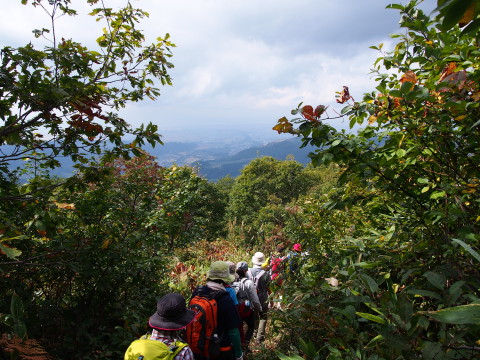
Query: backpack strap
pixel 176 347
pixel 259 275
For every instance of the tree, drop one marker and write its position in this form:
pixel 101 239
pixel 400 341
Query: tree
pixel 63 99
pixel 406 284
pixel 97 253
pixel 264 181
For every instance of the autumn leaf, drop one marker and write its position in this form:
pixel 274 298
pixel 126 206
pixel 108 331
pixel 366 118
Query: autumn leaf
pixel 447 71
pixel 468 16
pixel 42 233
pixel 409 76
pixel 65 206
pixel 319 110
pixel 344 96
pixel 283 126
pixel 307 112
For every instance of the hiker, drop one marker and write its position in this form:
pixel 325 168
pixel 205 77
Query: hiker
pixel 277 265
pixel 277 276
pixel 261 279
pixel 164 342
pixel 294 258
pixel 232 270
pixel 248 301
pixel 214 305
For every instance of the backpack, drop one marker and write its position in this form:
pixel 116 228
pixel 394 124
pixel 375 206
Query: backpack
pixel 257 277
pixel 148 349
pixel 261 290
pixel 244 303
pixel 202 333
pixel 240 290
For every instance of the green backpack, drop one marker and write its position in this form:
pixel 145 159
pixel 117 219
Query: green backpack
pixel 147 349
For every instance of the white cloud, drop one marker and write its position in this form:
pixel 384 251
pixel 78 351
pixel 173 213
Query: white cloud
pixel 240 63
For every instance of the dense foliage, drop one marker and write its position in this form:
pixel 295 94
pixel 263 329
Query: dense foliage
pixel 408 269
pixel 97 254
pixel 63 99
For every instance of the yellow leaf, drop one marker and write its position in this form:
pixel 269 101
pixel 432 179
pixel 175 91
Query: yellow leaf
pixel 372 119
pixel 105 244
pixel 65 206
pixel 283 126
pixel 461 117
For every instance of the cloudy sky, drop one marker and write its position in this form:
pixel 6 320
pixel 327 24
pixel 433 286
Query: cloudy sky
pixel 240 64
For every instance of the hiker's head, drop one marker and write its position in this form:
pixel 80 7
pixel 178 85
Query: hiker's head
pixel 220 271
pixel 242 268
pixel 297 247
pixel 231 269
pixel 258 259
pixel 172 313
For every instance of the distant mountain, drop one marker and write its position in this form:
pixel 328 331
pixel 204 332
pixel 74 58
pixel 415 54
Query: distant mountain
pixel 232 165
pixel 214 160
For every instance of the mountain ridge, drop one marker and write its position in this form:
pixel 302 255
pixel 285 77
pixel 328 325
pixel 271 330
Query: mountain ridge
pixel 213 160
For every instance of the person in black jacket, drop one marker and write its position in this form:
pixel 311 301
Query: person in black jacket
pixel 227 313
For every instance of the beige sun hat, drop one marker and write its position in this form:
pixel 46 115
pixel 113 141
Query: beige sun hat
pixel 258 259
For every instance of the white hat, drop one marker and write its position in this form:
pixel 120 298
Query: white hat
pixel 258 258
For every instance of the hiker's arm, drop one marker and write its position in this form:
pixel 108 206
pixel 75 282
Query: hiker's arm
pixel 234 335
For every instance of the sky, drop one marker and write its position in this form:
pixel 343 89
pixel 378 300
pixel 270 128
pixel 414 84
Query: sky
pixel 240 65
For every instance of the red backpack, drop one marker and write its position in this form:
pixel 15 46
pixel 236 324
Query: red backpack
pixel 202 333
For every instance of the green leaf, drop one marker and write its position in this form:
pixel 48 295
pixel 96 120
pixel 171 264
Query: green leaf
pixel 396 93
pixel 437 194
pixel 467 247
pixel 368 265
pixel 16 308
pixel 454 13
pixel 424 293
pixel 374 341
pixel 20 330
pixel 372 284
pixel 431 351
pixel 436 279
pixel 473 26
pixel 401 153
pixel 371 317
pixel 291 357
pixel 395 6
pixel 11 252
pixel 463 314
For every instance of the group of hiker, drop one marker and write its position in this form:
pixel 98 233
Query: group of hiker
pixel 213 323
